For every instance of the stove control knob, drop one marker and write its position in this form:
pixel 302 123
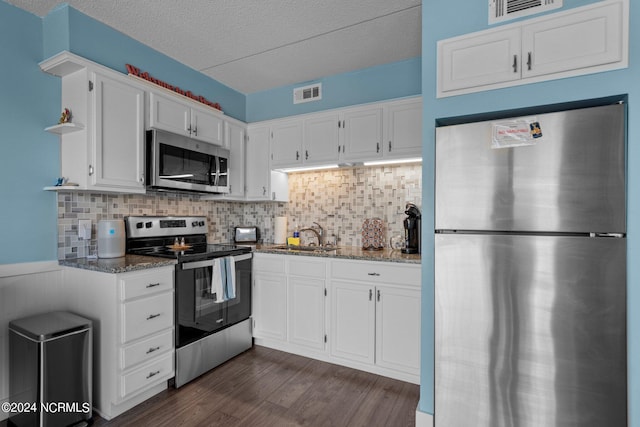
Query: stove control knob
pixel 139 225
pixel 201 223
pixel 194 224
pixel 148 224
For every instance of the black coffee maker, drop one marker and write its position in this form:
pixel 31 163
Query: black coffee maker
pixel 412 230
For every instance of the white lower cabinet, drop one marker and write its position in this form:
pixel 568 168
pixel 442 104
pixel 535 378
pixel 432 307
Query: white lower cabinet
pixel 361 314
pixel 376 315
pixel 133 317
pixel 352 321
pixel 307 293
pixel 269 297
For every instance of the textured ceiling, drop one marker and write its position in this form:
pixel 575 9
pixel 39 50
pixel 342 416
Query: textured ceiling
pixel 254 45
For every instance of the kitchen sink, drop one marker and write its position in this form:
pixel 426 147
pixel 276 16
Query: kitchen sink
pixel 306 248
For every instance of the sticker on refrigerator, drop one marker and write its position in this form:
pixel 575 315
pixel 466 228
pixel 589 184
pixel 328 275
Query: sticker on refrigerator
pixel 515 133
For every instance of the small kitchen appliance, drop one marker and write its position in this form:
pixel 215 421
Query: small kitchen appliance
pixel 412 230
pixel 111 238
pixel 212 290
pixel 179 163
pixel 247 235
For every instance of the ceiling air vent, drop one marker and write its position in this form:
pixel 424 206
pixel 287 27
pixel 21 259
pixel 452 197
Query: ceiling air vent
pixel 307 93
pixel 503 10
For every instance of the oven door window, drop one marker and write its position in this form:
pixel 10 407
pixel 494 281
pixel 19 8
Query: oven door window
pixel 239 308
pixel 198 311
pixel 183 165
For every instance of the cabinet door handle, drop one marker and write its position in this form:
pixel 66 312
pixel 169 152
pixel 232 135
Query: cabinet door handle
pixel 152 349
pixel 152 374
pixel 264 191
pixel 306 154
pixel 377 147
pixel 529 63
pixel 153 285
pixel 90 170
pixel 153 316
pixel 370 294
pixel 297 155
pixel 219 320
pixel 389 146
pixel 515 63
pixel 378 295
pixel 195 131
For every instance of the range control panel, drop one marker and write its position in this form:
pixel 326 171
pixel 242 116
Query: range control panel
pixel 162 226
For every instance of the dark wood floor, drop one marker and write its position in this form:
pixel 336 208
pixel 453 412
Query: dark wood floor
pixel 264 387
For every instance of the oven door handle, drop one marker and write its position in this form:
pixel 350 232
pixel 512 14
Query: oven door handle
pixel 209 262
pixel 242 257
pixel 198 264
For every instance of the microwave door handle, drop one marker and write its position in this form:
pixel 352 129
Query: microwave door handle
pixel 216 174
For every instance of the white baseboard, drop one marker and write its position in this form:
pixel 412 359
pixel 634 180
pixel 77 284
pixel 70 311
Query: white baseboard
pixel 423 419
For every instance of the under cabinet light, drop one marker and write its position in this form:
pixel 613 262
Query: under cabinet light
pixel 307 168
pixel 393 162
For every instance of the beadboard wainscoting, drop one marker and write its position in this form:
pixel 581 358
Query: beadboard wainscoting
pixel 25 289
pixel 340 200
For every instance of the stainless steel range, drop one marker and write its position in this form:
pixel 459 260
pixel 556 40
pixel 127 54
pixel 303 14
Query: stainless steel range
pixel 212 290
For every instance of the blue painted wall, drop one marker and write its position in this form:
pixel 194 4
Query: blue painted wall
pixel 30 101
pixel 442 20
pixel 387 81
pixel 66 28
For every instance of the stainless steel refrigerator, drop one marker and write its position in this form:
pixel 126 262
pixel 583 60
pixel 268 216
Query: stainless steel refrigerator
pixel 530 271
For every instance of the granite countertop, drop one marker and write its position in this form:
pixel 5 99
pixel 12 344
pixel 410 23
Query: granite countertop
pixel 123 264
pixel 345 252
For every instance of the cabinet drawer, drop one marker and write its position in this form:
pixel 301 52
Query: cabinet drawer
pixel 268 263
pixel 146 316
pixel 377 272
pixel 147 375
pixel 145 350
pixel 309 268
pixel 147 283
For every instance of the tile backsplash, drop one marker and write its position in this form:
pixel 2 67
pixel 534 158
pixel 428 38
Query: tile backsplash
pixel 340 200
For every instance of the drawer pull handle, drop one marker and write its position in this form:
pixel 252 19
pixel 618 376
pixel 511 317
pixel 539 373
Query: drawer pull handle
pixel 219 320
pixel 152 374
pixel 373 274
pixel 153 316
pixel 153 285
pixel 152 349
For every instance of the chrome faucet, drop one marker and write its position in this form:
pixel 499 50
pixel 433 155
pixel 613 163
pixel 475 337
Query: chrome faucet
pixel 319 232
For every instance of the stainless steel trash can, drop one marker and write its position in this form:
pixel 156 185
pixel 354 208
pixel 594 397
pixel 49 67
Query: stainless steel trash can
pixel 50 364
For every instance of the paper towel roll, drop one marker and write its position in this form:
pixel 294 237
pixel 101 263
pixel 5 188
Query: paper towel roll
pixel 280 230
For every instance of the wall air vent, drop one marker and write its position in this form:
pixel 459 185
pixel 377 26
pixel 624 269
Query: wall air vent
pixel 503 10
pixel 307 93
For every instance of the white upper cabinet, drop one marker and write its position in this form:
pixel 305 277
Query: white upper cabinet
pixel 379 131
pixel 575 42
pixel 286 143
pixel 170 113
pixel 404 129
pixel 321 139
pixel 362 134
pixel 257 178
pixel 119 134
pixel 581 40
pixel 104 151
pixel 479 60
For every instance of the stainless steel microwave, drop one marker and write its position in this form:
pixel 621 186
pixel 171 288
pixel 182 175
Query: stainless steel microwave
pixel 176 162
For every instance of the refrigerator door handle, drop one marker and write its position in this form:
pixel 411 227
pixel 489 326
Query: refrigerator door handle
pixel 614 235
